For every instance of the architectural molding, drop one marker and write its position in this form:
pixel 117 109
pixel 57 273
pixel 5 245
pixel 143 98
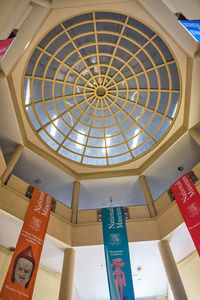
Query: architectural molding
pixel 138 229
pixel 12 162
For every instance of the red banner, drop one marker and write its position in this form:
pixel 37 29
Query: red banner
pixel 188 200
pixel 4 46
pixel 21 275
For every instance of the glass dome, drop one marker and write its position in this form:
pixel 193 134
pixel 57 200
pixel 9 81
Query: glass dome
pixel 101 89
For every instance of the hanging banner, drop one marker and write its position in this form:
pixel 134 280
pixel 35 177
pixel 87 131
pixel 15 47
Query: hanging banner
pixel 21 275
pixel 188 200
pixel 193 27
pixel 4 46
pixel 117 254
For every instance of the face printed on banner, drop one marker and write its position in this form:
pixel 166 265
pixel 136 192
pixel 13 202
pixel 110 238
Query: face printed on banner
pixel 23 271
pixel 23 267
pixel 20 279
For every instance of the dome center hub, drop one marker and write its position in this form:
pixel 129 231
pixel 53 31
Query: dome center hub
pixel 101 92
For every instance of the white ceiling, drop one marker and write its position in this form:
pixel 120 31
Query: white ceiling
pixel 52 180
pixel 110 192
pixel 151 281
pixel 190 9
pixel 124 191
pixel 164 171
pixel 9 130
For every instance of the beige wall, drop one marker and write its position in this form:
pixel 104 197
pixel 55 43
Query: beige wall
pixel 189 269
pixel 2 163
pixel 47 282
pixel 5 257
pixel 47 285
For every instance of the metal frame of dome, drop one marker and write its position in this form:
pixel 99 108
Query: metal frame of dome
pixel 107 78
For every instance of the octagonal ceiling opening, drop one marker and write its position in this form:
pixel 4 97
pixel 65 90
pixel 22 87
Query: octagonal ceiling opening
pixel 101 89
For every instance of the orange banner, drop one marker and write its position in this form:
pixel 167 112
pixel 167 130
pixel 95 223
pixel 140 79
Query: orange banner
pixel 21 275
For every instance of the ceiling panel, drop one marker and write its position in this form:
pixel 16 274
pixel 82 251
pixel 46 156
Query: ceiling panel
pixel 124 191
pixel 164 172
pixel 39 172
pixel 9 134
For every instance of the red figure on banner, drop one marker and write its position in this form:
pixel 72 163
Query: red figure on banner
pixel 120 279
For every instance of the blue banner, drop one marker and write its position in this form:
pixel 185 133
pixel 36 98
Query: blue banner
pixel 117 254
pixel 193 27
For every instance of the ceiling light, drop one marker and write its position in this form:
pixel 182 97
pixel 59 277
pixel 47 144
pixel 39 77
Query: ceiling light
pixel 37 181
pixel 53 128
pixel 27 94
pixel 135 140
pixel 174 110
pixel 180 168
pixel 80 139
pixel 134 96
pixel 70 118
pixel 27 44
pixel 108 140
pixel 11 249
pixel 103 147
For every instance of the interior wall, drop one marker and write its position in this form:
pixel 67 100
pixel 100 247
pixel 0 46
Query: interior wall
pixel 47 283
pixel 2 163
pixel 190 9
pixel 169 294
pixel 189 269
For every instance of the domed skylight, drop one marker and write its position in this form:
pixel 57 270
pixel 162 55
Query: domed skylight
pixel 101 88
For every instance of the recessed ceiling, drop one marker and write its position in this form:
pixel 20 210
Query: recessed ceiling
pixel 101 89
pixel 110 192
pixel 46 177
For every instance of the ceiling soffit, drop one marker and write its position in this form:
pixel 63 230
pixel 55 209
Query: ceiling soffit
pixel 76 170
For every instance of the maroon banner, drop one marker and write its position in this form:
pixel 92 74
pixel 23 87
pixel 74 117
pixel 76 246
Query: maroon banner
pixel 4 46
pixel 188 200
